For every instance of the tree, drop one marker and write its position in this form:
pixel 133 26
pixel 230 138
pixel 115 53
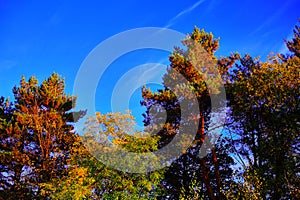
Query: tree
pixel 6 113
pixel 38 136
pixel 247 185
pixel 77 185
pixel 198 66
pixel 103 134
pixel 193 192
pixel 43 157
pixel 264 100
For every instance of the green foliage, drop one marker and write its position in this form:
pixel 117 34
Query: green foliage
pixel 42 157
pixel 264 101
pixel 192 192
pixel 107 132
pixel 37 136
pixel 247 185
pixel 77 185
pixel 199 67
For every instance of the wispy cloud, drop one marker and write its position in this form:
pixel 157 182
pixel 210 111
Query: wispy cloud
pixel 150 73
pixel 154 72
pixel 271 19
pixel 183 12
pixel 212 5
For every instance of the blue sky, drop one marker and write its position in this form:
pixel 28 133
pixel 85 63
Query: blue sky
pixel 40 38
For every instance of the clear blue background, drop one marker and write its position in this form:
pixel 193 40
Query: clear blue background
pixel 39 38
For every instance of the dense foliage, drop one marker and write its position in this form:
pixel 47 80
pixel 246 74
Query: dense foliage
pixel 257 157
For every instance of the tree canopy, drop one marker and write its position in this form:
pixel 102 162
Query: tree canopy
pixel 255 156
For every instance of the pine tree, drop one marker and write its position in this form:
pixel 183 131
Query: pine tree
pixel 39 135
pixel 264 100
pixel 198 66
